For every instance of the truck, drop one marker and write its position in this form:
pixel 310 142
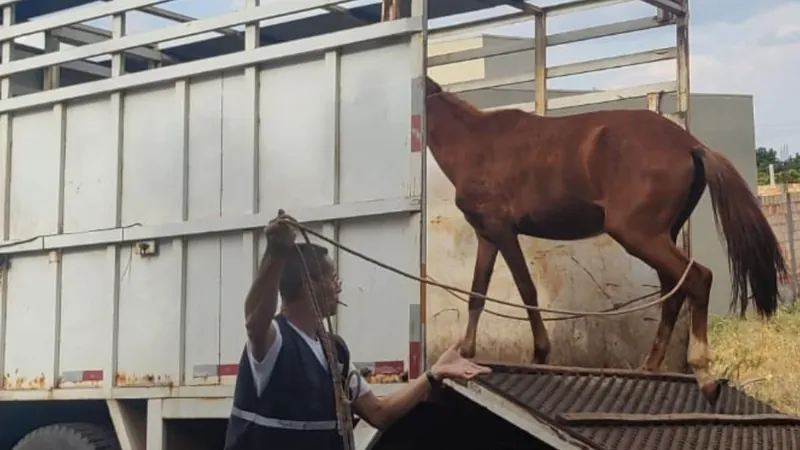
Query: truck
pixel 137 175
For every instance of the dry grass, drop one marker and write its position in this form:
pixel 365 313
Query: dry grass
pixel 763 354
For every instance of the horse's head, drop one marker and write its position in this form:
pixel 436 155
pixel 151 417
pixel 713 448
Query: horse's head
pixel 431 87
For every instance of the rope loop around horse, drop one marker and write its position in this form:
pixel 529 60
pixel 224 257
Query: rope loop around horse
pixel 545 319
pixel 574 314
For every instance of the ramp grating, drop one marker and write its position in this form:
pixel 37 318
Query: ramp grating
pixel 627 410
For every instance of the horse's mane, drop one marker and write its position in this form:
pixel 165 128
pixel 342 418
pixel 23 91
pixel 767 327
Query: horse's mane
pixel 463 110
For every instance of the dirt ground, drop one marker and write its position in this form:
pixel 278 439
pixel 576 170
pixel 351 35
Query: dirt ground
pixel 763 355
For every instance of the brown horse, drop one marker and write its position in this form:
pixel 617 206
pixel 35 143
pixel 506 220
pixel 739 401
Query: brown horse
pixel 633 174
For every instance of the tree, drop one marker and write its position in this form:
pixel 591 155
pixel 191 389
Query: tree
pixel 790 168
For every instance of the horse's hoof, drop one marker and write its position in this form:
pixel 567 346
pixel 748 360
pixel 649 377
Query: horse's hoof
pixel 540 356
pixel 711 391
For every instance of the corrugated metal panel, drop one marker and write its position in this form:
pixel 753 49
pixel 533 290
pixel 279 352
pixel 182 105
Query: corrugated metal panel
pixel 572 399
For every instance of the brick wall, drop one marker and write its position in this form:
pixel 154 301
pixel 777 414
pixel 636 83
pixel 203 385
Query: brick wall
pixel 774 205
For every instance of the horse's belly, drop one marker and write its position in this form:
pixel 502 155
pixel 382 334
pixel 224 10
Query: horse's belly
pixel 565 224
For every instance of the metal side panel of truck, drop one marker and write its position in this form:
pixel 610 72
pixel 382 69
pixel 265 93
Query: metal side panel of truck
pixel 134 209
pixel 162 306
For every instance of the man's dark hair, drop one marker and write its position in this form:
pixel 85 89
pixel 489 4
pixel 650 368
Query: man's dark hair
pixel 294 273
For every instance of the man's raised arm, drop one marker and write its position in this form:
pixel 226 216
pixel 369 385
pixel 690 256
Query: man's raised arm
pixel 261 302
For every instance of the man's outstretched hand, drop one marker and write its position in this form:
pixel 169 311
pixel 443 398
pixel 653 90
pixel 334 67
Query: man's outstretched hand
pixel 454 366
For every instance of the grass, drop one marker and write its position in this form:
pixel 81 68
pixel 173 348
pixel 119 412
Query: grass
pixel 764 355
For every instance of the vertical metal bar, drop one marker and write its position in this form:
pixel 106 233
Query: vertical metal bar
pixel 7 50
pixel 155 433
pixel 182 97
pixel 251 75
pixel 540 63
pixel 682 97
pixel 118 25
pixel 790 235
pixel 52 80
pixel 682 115
pixel 117 105
pixel 419 55
pixel 772 174
pixel 5 184
pixel 654 102
pixel 331 229
pixel 52 74
pixel 56 256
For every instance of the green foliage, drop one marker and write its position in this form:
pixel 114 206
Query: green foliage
pixel 785 171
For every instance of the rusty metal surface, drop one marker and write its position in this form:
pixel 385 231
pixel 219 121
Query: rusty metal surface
pixel 549 393
pixel 17 381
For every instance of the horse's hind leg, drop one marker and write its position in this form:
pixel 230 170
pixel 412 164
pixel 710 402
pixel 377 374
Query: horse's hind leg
pixel 660 253
pixel 512 253
pixel 484 266
pixel 669 315
pixel 671 307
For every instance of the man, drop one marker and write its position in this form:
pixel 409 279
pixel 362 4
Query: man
pixel 284 397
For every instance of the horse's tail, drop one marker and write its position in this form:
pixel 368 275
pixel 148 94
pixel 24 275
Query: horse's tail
pixel 754 254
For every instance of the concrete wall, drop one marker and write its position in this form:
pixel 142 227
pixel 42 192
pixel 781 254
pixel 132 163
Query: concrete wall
pixel 591 275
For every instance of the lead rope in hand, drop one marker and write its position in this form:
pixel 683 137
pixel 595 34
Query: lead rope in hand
pixel 344 417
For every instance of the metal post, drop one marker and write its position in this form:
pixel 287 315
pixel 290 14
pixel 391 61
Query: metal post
pixel 113 251
pixel 682 43
pixel 790 235
pixel 7 48
pixel 331 229
pixel 250 239
pixel 419 42
pixel 52 74
pixel 540 63
pixel 772 174
pixel 654 102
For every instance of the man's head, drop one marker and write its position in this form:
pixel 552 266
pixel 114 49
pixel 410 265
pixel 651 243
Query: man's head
pixel 295 286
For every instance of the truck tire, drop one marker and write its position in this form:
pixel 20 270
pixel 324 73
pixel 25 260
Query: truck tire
pixel 69 436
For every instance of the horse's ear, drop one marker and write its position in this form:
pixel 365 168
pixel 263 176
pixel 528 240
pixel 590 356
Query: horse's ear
pixel 431 87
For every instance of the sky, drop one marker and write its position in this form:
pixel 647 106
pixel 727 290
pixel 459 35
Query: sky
pixel 736 46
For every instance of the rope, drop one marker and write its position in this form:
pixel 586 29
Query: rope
pixel 546 319
pixel 343 413
pixel 575 314
pixel 344 416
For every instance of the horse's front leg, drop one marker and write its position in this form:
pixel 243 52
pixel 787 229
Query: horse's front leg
pixel 512 253
pixel 484 266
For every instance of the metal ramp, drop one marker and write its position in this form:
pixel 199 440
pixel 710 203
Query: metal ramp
pixel 574 408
